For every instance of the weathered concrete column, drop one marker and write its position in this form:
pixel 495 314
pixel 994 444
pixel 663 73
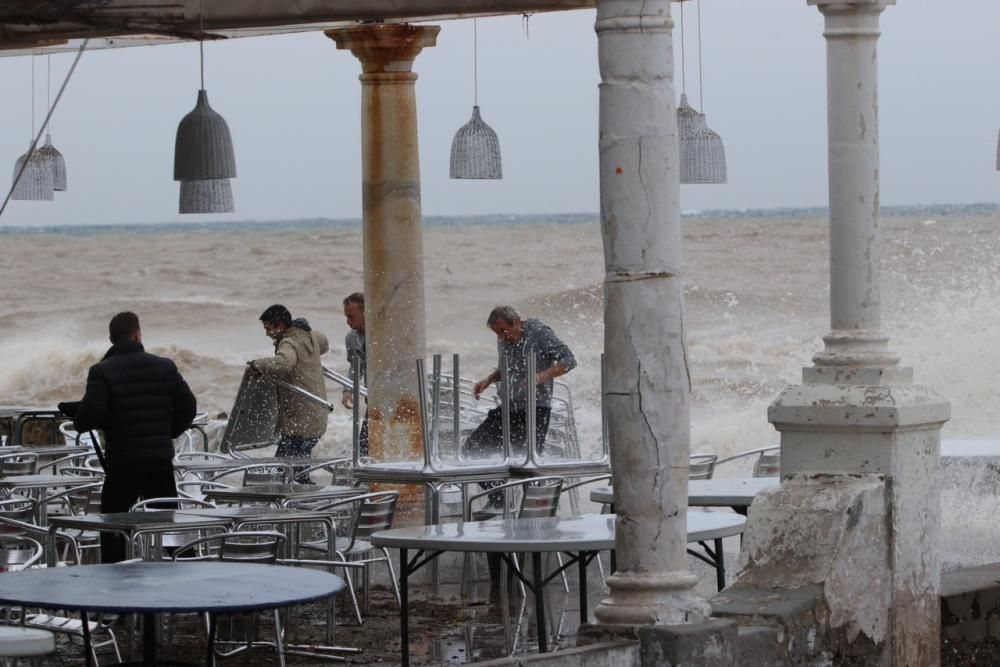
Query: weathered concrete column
pixel 648 386
pixel 393 238
pixel 850 540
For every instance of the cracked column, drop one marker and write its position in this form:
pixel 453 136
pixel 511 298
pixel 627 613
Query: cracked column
pixel 844 558
pixel 647 383
pixel 393 238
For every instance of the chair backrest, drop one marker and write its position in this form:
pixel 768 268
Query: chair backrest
pixel 540 500
pixel 768 464
pixel 195 488
pixel 19 509
pixel 71 437
pixel 22 463
pixel 56 466
pixel 243 546
pixel 18 552
pixel 255 474
pixel 85 499
pixel 372 512
pixel 83 471
pixel 203 456
pixel 702 466
pixel 171 503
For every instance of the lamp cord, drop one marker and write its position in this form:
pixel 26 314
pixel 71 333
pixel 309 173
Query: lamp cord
pixel 701 90
pixel 475 63
pixel 683 61
pixel 48 80
pixel 48 116
pixel 201 40
pixel 32 94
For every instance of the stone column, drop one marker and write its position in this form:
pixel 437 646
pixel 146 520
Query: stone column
pixel 856 520
pixel 393 238
pixel 647 382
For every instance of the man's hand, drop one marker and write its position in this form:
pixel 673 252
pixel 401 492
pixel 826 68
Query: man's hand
pixel 253 369
pixel 347 400
pixel 480 387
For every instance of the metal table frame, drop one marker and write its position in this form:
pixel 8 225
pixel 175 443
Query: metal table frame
pixel 580 537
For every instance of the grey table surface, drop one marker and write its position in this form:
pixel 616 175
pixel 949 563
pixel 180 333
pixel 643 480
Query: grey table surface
pixel 135 521
pixel 586 532
pixel 158 587
pixel 414 472
pixel 709 492
pixel 44 481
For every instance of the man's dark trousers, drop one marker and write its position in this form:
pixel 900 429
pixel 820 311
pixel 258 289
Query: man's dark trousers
pixel 125 487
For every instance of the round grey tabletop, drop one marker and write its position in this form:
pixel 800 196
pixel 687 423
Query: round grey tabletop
pixel 587 532
pixel 709 492
pixel 159 587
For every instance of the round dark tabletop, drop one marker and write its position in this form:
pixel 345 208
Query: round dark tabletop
pixel 158 587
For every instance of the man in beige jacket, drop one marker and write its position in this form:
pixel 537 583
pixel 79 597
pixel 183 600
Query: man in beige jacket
pixel 296 360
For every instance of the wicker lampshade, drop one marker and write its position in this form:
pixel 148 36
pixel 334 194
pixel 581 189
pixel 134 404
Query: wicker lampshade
pixel 204 147
pixel 35 183
pixel 56 162
pixel 703 157
pixel 688 120
pixel 210 195
pixel 475 150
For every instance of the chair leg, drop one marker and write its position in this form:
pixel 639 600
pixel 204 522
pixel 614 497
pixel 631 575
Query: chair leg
pixel 279 638
pixel 392 576
pixel 353 595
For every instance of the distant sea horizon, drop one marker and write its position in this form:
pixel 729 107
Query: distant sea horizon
pixel 489 219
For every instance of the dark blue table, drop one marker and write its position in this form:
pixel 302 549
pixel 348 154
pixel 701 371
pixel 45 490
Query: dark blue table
pixel 151 588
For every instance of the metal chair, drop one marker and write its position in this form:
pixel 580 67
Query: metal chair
pixel 572 490
pixel 19 509
pixel 256 473
pixel 246 547
pixel 19 552
pixel 71 437
pixel 195 488
pixel 368 513
pixel 539 498
pixel 21 463
pixel 161 541
pixel 767 463
pixel 702 466
pixel 56 466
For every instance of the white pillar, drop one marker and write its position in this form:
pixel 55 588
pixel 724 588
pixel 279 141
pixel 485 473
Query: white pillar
pixel 648 386
pixel 393 237
pixel 857 515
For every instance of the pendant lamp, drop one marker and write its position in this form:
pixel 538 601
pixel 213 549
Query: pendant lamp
pixel 204 159
pixel 32 174
pixel 49 153
pixel 702 154
pixel 56 163
pixel 475 150
pixel 35 182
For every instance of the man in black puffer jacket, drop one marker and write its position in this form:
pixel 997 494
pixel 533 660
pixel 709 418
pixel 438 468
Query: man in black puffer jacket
pixel 142 403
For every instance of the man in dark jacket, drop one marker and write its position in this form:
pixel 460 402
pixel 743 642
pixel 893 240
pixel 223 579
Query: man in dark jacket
pixel 142 403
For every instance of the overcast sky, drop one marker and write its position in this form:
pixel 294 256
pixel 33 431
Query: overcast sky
pixel 293 105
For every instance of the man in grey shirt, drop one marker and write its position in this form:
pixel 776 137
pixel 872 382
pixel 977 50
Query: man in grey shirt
pixel 354 342
pixel 516 339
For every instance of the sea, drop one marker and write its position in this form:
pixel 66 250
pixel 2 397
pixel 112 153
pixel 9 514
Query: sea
pixel 756 298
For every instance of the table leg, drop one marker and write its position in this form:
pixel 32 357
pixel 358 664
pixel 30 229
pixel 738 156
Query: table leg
pixel 88 648
pixel 210 651
pixel 582 566
pixel 720 565
pixel 536 574
pixel 149 640
pixel 404 611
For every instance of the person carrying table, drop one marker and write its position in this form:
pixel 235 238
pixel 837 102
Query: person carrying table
pixel 297 350
pixel 142 403
pixel 516 339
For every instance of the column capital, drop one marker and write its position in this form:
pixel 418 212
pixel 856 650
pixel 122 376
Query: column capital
pixel 385 48
pixel 851 6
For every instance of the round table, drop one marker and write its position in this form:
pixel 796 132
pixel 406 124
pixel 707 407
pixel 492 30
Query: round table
pixel 151 588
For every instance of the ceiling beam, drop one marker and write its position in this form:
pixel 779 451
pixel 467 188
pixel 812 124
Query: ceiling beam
pixel 29 24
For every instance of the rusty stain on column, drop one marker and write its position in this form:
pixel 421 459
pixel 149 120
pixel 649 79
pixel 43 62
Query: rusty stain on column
pixel 393 238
